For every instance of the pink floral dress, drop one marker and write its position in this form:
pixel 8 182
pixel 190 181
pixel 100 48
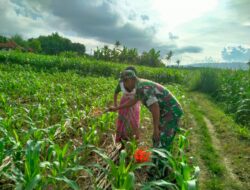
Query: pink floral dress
pixel 128 120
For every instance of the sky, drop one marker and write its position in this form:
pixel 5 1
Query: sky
pixel 195 30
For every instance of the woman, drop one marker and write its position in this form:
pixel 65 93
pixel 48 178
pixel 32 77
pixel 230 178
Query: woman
pixel 128 118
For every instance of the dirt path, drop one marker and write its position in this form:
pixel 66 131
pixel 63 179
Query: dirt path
pixel 217 145
pixel 231 148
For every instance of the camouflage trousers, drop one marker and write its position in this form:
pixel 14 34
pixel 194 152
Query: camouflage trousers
pixel 168 131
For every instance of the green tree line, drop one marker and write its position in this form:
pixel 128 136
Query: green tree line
pixel 52 44
pixel 55 44
pixel 128 55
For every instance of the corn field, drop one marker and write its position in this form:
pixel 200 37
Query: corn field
pixel 53 122
pixel 230 89
pixel 51 125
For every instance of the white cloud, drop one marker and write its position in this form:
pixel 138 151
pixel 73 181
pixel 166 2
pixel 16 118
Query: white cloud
pixel 199 28
pixel 236 53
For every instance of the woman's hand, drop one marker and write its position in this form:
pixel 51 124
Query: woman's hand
pixel 112 109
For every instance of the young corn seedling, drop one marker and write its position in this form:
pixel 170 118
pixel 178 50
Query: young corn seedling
pixel 30 176
pixel 177 168
pixel 90 136
pixel 62 165
pixel 121 175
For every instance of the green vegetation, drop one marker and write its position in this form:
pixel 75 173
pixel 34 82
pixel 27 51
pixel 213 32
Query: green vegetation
pixel 55 44
pixel 86 66
pixel 208 154
pixel 52 120
pixel 39 111
pixel 52 44
pixel 231 89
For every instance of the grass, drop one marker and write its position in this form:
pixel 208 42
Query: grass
pixel 207 153
pixel 219 118
pixel 234 139
pixel 214 174
pixel 228 88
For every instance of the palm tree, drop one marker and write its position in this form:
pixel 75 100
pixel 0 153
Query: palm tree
pixel 117 43
pixel 154 57
pixel 116 51
pixel 123 54
pixel 178 62
pixel 98 54
pixel 169 56
pixel 106 52
pixel 114 55
pixel 132 55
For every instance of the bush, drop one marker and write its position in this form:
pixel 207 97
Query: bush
pixel 208 81
pixel 69 54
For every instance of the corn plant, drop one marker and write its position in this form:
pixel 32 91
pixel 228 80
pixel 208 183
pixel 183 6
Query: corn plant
pixel 32 172
pixel 30 176
pixel 230 89
pixel 89 67
pixel 121 175
pixel 90 135
pixel 62 164
pixel 177 168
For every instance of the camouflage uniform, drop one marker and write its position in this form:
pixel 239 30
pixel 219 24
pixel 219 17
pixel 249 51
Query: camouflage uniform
pixel 170 110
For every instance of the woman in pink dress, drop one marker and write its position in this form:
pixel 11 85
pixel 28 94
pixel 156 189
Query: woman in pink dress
pixel 127 125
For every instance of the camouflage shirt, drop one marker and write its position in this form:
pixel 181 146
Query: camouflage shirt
pixel 149 92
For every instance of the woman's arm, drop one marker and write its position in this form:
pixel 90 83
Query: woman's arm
pixel 117 91
pixel 125 105
pixel 115 99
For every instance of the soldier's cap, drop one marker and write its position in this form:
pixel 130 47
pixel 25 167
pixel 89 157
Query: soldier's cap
pixel 127 74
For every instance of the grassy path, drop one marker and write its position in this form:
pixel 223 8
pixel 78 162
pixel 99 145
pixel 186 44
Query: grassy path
pixel 220 146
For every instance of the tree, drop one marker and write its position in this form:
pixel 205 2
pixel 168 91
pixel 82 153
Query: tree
pixel 248 64
pixel 154 57
pixel 169 56
pixel 106 53
pixel 132 55
pixel 151 58
pixel 35 45
pixel 54 44
pixel 123 55
pixel 114 55
pixel 3 39
pixel 79 48
pixel 178 62
pixel 19 40
pixel 98 54
pixel 117 44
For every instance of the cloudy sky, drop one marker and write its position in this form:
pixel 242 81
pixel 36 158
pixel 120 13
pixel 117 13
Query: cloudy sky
pixel 196 30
